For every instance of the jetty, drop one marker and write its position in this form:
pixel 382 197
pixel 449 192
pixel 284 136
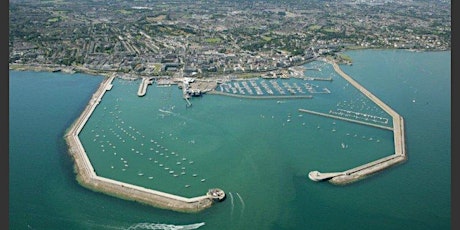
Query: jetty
pixel 363 171
pixel 87 177
pixel 146 81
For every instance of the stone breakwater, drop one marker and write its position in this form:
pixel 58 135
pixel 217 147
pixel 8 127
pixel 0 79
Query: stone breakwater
pixel 363 171
pixel 87 177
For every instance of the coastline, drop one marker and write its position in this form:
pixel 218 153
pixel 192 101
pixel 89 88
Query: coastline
pixel 57 68
pixel 80 69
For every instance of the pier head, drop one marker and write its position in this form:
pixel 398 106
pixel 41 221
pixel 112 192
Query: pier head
pixel 216 194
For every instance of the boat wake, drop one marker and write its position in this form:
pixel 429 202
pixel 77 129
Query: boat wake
pixel 242 202
pixel 155 226
pixel 165 111
pixel 233 204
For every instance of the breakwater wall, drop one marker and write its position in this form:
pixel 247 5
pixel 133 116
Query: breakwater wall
pixel 87 177
pixel 363 171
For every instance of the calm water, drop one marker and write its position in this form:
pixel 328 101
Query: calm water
pixel 258 151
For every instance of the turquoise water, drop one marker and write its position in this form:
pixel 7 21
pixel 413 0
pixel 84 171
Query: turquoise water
pixel 258 151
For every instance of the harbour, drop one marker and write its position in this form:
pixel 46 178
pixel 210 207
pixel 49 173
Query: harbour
pixel 87 177
pixel 251 156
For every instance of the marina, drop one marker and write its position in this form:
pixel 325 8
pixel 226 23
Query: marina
pixel 271 89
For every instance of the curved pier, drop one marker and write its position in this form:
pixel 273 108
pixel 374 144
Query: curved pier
pixel 88 178
pixel 146 81
pixel 360 172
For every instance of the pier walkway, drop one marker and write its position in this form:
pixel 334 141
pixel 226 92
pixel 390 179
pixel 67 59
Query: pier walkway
pixel 365 170
pixel 88 178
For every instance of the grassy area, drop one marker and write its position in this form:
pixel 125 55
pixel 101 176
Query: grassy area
pixel 125 12
pixel 314 27
pixel 55 19
pixel 344 57
pixel 340 58
pixel 158 18
pixel 248 75
pixel 330 30
pixel 157 67
pixel 213 40
pixel 266 38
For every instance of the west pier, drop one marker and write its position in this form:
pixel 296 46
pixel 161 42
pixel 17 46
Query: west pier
pixel 87 177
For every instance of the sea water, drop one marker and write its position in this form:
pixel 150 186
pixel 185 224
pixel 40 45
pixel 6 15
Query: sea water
pixel 259 151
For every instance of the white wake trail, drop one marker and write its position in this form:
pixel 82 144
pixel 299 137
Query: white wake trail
pixel 242 202
pixel 231 200
pixel 154 226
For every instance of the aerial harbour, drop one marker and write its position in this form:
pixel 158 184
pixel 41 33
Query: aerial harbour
pixel 87 176
pixel 229 114
pixel 245 147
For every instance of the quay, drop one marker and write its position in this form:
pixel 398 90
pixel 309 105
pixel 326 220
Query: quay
pixel 87 177
pixel 363 171
pixel 146 81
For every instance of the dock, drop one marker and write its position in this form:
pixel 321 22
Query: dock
pixel 87 177
pixel 363 171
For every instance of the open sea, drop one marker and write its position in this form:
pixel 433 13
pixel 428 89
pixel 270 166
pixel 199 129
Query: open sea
pixel 259 151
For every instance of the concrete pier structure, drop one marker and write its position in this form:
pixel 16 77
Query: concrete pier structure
pixel 363 171
pixel 88 178
pixel 146 81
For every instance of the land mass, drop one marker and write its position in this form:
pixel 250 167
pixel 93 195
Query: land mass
pixel 214 38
